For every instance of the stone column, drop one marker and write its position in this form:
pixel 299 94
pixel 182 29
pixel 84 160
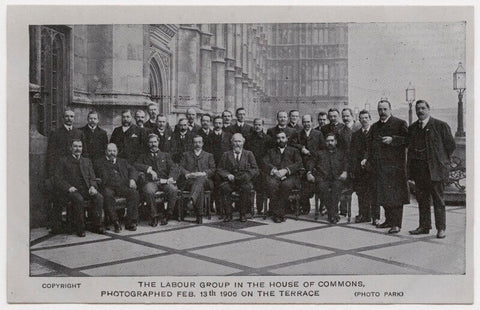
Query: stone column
pixel 205 69
pixel 238 67
pixel 218 70
pixel 230 70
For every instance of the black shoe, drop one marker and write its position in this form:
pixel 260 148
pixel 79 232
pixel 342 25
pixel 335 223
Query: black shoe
pixel 154 222
pixel 375 222
pixel 260 212
pixel 131 227
pixel 277 220
pixel 384 225
pixel 163 221
pixel 243 219
pixel 56 231
pixel 189 205
pixel 361 219
pixel 199 220
pixel 81 233
pixel 116 226
pixel 227 218
pixel 100 230
pixel 441 234
pixel 394 230
pixel 419 231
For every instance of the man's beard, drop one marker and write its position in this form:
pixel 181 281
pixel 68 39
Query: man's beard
pixel 140 123
pixel 282 144
pixel 126 124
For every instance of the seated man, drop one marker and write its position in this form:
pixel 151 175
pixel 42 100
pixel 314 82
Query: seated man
pixel 281 164
pixel 161 173
pixel 76 179
pixel 198 167
pixel 118 178
pixel 237 169
pixel 330 172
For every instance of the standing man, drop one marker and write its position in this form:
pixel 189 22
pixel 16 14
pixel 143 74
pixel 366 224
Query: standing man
pixel 118 178
pixel 309 143
pixel 95 139
pixel 163 133
pixel 227 120
pixel 322 120
pixel 386 154
pixel 281 164
pixel 152 110
pixel 330 171
pixel 294 116
pixel 431 145
pixel 282 120
pixel 204 132
pixel 334 125
pixel 349 120
pixel 197 167
pixel 191 125
pixel 240 126
pixel 237 169
pixel 182 140
pixel 129 139
pixel 161 174
pixel 76 180
pixel 362 176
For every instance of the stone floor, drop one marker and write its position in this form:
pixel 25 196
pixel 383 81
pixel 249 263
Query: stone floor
pixel 257 247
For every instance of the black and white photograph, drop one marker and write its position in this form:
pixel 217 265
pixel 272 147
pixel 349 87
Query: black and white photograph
pixel 248 149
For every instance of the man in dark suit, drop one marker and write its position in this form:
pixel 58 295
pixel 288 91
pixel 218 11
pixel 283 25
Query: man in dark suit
pixel 348 120
pixel 237 169
pixel 309 143
pixel 204 132
pixel 161 174
pixel 95 139
pixel 240 126
pixel 191 125
pixel 431 145
pixel 152 110
pixel 340 130
pixel 294 117
pixel 164 134
pixel 386 154
pixel 182 140
pixel 330 171
pixel 227 120
pixel 322 120
pixel 140 120
pixel 282 119
pixel 362 176
pixel 118 179
pixel 76 180
pixel 281 165
pixel 197 167
pixel 129 139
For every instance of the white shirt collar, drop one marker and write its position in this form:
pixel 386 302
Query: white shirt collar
pixel 92 128
pixel 235 154
pixel 207 131
pixel 240 124
pixel 197 153
pixel 114 160
pixel 282 149
pixel 425 122
pixel 386 119
pixel 77 158
pixel 282 127
pixel 368 128
pixel 307 132
pixel 68 127
pixel 126 128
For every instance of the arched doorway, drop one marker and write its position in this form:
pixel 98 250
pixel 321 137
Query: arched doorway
pixel 156 93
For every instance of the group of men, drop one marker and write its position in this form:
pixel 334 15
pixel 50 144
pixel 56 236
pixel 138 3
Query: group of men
pixel 235 160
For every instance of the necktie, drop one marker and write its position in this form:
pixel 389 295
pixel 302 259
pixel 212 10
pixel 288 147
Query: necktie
pixel 237 158
pixel 420 123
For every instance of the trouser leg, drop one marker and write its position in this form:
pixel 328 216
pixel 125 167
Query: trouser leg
pixel 197 191
pixel 78 211
pixel 133 199
pixel 95 209
pixel 438 205
pixel 272 186
pixel 149 191
pixel 336 191
pixel 109 204
pixel 396 212
pixel 171 192
pixel 245 198
pixel 226 192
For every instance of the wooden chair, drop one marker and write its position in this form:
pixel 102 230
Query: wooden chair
pixel 206 204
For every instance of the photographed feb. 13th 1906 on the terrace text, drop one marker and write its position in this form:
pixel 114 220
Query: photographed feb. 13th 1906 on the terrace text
pixel 252 160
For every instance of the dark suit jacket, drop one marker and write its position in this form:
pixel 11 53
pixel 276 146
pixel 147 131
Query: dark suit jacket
pixel 272 132
pixel 164 141
pixel 195 129
pixel 358 151
pixel 202 163
pixel 179 146
pixel 330 165
pixel 94 142
pixel 290 159
pixel 440 145
pixel 64 178
pixel 104 169
pixel 59 145
pixel 163 165
pixel 131 143
pixel 314 143
pixel 246 130
pixel 297 126
pixel 259 145
pixel 342 133
pixel 205 136
pixel 217 145
pixel 244 171
pixel 388 161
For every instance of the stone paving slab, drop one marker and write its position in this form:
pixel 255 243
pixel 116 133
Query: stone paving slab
pixel 344 265
pixel 145 228
pixel 37 269
pixel 95 253
pixel 64 239
pixel 261 252
pixel 37 233
pixel 169 265
pixel 289 225
pixel 192 237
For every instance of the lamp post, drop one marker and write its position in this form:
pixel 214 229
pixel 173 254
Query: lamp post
pixel 367 106
pixel 459 84
pixel 410 97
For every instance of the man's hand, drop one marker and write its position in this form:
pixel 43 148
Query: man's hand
pixel 170 181
pixel 363 163
pixel 283 172
pixel 133 184
pixel 305 151
pixel 72 189
pixel 153 174
pixel 310 177
pixel 231 177
pixel 387 139
pixel 343 176
pixel 92 191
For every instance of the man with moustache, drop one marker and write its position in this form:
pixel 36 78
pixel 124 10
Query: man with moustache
pixel 431 145
pixel 163 133
pixel 259 144
pixel 191 116
pixel 309 142
pixel 152 110
pixel 237 169
pixel 362 176
pixel 161 174
pixel 281 165
pixel 129 139
pixel 349 120
pixel 140 121
pixel 322 120
pixel 282 120
pixel 386 154
pixel 76 180
pixel 118 179
pixel 182 140
pixel 334 125
pixel 95 139
pixel 197 167
pixel 330 172
pixel 240 126
pixel 227 120
pixel 204 132
pixel 294 116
